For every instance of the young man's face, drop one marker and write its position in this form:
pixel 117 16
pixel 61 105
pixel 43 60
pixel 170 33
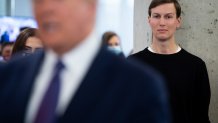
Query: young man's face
pixel 163 21
pixel 63 23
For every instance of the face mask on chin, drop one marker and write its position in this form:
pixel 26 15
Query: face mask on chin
pixel 115 49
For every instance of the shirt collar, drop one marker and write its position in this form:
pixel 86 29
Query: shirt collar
pixel 80 56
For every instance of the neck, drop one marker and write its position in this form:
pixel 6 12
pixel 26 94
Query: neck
pixel 60 50
pixel 164 47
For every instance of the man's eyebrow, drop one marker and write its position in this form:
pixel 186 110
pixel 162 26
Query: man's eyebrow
pixel 170 13
pixel 163 14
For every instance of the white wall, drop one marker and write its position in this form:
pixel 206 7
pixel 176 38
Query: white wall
pixel 117 16
pixel 17 7
pixel 22 8
pixel 2 7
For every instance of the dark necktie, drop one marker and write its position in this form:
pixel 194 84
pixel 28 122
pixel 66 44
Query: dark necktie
pixel 47 109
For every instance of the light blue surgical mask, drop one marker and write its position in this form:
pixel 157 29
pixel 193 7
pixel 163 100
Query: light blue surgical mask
pixel 115 49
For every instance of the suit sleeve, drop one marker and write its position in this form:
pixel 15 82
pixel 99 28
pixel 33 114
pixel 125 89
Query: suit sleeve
pixel 153 101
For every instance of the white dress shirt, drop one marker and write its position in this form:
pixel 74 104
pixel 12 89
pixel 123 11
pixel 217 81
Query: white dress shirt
pixel 77 62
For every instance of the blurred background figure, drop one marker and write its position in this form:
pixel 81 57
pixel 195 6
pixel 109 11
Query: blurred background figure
pixel 27 42
pixel 1 52
pixel 6 51
pixel 113 43
pixel 5 37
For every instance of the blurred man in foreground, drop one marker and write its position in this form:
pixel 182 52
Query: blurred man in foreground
pixel 75 80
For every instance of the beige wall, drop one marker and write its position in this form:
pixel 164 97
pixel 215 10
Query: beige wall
pixel 198 35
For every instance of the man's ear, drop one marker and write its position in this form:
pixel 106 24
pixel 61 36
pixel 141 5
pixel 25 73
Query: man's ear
pixel 149 19
pixel 179 22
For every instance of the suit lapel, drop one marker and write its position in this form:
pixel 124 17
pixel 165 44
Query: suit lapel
pixel 25 88
pixel 90 90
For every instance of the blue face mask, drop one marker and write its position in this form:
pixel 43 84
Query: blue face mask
pixel 115 49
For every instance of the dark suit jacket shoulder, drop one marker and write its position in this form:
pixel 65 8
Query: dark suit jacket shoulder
pixel 113 91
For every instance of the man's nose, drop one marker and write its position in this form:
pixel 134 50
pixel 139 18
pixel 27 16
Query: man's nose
pixel 162 21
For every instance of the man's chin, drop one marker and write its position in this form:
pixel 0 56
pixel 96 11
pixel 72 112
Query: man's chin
pixel 163 39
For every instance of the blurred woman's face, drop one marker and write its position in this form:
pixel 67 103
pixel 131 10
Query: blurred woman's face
pixel 114 45
pixel 114 41
pixel 6 52
pixel 33 44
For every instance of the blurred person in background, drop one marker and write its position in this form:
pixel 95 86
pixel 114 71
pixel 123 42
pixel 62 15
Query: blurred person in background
pixel 112 41
pixel 186 74
pixel 7 51
pixel 1 58
pixel 27 42
pixel 5 37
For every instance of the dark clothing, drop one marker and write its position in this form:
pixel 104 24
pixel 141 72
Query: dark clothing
pixel 5 38
pixel 187 82
pixel 113 91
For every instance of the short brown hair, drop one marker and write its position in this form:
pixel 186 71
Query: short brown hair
pixel 155 3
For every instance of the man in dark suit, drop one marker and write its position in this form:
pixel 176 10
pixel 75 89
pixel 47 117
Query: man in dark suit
pixel 74 79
